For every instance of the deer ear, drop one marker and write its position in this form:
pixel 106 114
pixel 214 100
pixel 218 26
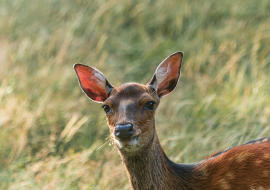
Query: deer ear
pixel 167 74
pixel 93 82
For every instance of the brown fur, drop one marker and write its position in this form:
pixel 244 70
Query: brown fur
pixel 243 167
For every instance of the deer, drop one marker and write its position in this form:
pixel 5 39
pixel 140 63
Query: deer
pixel 130 113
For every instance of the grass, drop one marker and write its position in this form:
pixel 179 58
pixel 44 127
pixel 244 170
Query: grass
pixel 50 131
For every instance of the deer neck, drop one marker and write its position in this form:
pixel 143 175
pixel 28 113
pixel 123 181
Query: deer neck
pixel 151 169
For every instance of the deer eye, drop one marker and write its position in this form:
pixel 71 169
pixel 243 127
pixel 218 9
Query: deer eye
pixel 150 105
pixel 106 108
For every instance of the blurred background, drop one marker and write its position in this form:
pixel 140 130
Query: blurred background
pixel 52 135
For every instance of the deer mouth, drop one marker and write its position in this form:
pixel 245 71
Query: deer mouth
pixel 128 144
pixel 135 139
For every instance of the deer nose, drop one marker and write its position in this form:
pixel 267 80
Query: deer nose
pixel 124 132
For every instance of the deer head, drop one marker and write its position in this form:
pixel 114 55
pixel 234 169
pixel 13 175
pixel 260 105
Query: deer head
pixel 130 107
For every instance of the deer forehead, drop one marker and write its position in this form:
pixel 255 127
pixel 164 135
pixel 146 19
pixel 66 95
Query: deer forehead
pixel 129 93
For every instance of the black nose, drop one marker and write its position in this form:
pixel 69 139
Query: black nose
pixel 124 132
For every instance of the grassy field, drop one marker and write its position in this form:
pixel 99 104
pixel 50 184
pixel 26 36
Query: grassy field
pixel 51 134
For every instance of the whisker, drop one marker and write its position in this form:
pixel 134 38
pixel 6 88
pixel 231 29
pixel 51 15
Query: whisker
pixel 102 121
pixel 114 148
pixel 103 144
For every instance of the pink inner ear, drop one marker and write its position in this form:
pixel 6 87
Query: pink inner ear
pixel 92 82
pixel 167 74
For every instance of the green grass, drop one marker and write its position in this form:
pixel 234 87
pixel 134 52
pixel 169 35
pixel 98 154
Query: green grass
pixel 50 131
